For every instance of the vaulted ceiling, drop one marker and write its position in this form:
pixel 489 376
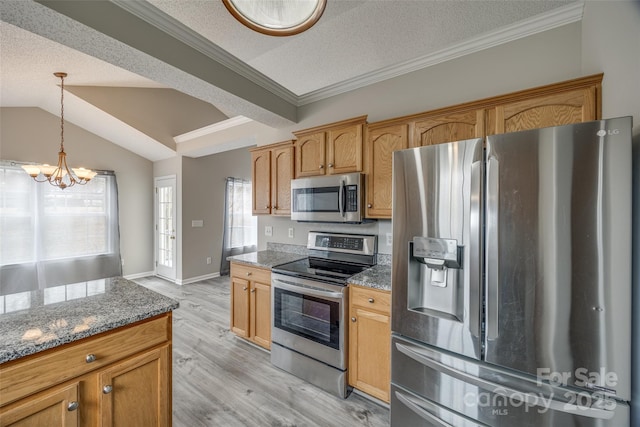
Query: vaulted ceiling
pixel 161 77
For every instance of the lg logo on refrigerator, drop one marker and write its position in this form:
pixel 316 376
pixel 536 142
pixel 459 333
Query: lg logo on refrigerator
pixel 603 132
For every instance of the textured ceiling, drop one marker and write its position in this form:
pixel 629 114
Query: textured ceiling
pixel 192 56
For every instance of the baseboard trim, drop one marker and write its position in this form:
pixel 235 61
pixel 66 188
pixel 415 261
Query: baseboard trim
pixel 197 279
pixel 139 275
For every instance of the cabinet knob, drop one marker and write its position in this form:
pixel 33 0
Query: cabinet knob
pixel 107 389
pixel 275 208
pixel 369 205
pixel 90 358
pixel 321 166
pixel 244 289
pixel 253 291
pixel 248 273
pixel 353 319
pixel 72 406
pixel 330 165
pixel 266 207
pixel 371 300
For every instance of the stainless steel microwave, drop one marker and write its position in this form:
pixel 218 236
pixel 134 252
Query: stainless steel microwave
pixel 332 198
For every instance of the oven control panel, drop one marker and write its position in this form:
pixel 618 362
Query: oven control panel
pixel 353 243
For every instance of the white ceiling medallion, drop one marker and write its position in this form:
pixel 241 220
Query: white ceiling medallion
pixel 277 17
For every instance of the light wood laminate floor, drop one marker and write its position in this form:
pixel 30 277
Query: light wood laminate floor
pixel 220 380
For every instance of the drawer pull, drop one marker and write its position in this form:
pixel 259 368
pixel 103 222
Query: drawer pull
pixel 90 358
pixel 353 319
pixel 248 273
pixel 371 300
pixel 72 406
pixel 107 389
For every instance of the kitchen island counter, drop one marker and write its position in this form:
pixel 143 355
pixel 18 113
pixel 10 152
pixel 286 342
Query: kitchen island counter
pixel 43 319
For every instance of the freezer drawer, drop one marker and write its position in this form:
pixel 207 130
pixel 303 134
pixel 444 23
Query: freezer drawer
pixel 466 391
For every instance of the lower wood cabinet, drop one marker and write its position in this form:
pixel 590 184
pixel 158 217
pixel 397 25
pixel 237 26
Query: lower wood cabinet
pixel 370 341
pixel 118 378
pixel 251 303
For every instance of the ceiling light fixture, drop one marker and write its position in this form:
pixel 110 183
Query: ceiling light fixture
pixel 60 176
pixel 277 17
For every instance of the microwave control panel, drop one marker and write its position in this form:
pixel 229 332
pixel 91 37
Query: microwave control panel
pixel 352 198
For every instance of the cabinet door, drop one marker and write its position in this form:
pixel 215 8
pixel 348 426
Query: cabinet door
pixel 381 144
pixel 240 306
pixel 344 149
pixel 261 314
pixel 310 155
pixel 550 110
pixel 261 181
pixel 281 176
pixel 370 352
pixel 136 391
pixel 52 408
pixel 454 126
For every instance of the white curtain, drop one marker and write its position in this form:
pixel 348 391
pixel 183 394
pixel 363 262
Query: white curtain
pixel 240 227
pixel 53 237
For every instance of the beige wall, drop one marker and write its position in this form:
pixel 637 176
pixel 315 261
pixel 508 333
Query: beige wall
pixel 203 186
pixel 33 135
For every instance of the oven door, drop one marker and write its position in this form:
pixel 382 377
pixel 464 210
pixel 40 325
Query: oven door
pixel 309 318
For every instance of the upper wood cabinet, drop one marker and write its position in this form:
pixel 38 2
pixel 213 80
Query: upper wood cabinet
pixel 437 128
pixel 330 149
pixel 382 140
pixel 558 104
pixel 271 173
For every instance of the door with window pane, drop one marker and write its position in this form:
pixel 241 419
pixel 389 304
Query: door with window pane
pixel 165 233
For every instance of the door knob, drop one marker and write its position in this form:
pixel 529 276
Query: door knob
pixel 369 205
pixel 107 389
pixel 72 406
pixel 330 165
pixel 321 166
pixel 253 291
pixel 244 289
pixel 353 319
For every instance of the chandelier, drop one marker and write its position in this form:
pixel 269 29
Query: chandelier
pixel 61 175
pixel 277 17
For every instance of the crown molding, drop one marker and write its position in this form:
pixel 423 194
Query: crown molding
pixel 154 16
pixel 208 130
pixel 537 24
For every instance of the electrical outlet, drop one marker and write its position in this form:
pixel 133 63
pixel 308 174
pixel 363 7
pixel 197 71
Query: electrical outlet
pixel 208 260
pixel 268 230
pixel 291 232
pixel 122 261
pixel 389 239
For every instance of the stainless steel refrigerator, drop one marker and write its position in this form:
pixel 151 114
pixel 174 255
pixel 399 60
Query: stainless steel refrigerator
pixel 511 280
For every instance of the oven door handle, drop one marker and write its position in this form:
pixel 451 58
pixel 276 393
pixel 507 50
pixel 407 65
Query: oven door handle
pixel 305 290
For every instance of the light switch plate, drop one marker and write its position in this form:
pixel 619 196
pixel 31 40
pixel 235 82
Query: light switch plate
pixel 268 230
pixel 389 239
pixel 291 232
pixel 197 223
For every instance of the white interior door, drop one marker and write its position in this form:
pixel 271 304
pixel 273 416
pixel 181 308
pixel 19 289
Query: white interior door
pixel 165 227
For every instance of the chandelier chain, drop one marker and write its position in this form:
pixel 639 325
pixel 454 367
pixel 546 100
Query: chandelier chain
pixel 62 113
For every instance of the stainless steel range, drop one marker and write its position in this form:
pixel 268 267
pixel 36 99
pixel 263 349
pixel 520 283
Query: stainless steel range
pixel 310 308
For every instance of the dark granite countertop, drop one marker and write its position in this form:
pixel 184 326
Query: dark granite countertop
pixel 266 259
pixel 376 277
pixel 39 320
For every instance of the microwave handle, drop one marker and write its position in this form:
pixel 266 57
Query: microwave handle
pixel 342 198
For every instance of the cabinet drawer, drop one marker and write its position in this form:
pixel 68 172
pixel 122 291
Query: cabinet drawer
pixel 371 298
pixel 23 377
pixel 253 274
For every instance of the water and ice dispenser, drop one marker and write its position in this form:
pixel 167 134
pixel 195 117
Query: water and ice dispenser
pixel 435 277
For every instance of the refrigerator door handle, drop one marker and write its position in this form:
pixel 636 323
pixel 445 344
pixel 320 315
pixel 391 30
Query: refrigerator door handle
pixel 418 407
pixel 492 268
pixel 529 398
pixel 475 245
